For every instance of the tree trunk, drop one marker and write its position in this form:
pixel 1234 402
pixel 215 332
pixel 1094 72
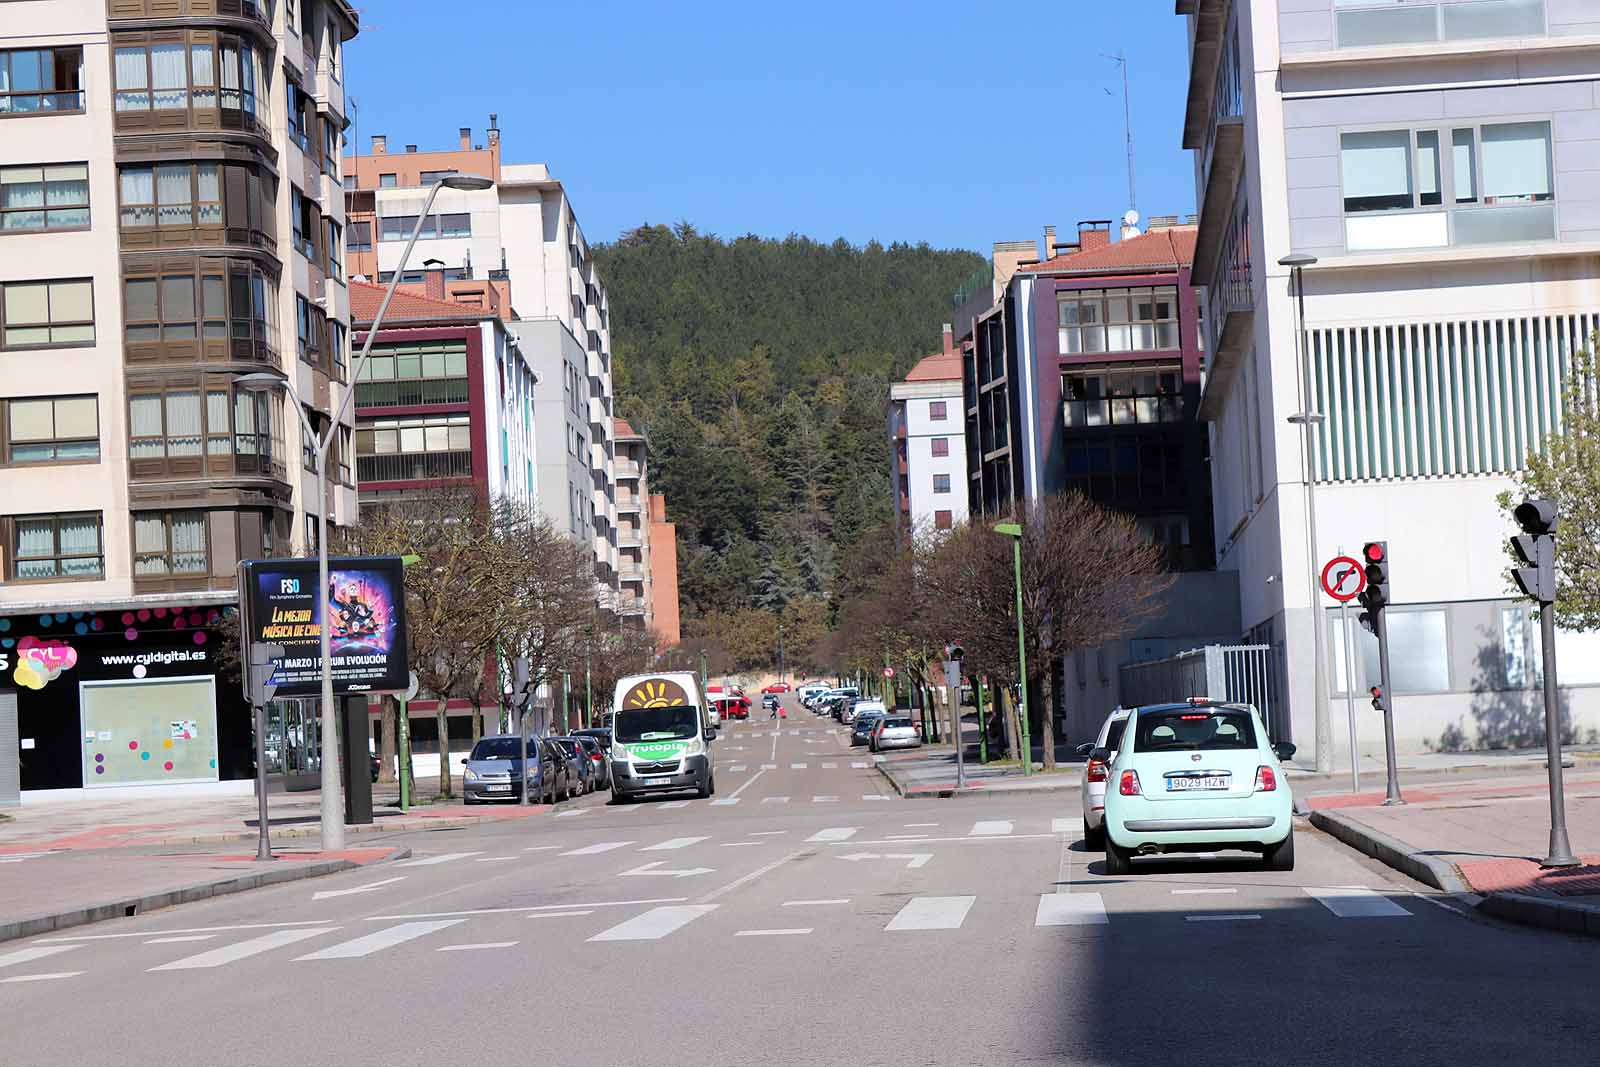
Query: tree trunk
pixel 1047 733
pixel 444 748
pixel 389 748
pixel 477 723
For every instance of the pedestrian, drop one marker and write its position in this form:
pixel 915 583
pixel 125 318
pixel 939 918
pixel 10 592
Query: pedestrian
pixel 774 713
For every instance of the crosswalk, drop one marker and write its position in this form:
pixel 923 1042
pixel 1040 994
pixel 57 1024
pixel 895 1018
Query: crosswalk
pixel 315 942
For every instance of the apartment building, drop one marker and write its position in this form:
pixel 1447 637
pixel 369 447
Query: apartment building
pixel 1433 164
pixel 521 238
pixel 646 541
pixel 170 219
pixel 927 444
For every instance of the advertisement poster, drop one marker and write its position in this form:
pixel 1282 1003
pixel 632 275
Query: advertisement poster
pixel 365 603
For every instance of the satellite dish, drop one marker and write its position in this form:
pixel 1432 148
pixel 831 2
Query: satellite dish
pixel 1131 218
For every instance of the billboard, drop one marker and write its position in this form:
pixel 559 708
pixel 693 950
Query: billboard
pixel 365 601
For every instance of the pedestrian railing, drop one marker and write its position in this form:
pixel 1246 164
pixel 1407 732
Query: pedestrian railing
pixel 1244 674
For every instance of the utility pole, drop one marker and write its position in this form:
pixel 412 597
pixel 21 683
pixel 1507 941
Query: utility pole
pixel 1014 531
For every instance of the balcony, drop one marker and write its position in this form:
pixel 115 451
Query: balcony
pixel 1211 19
pixel 413 467
pixel 625 468
pixel 630 605
pixel 631 572
pixel 251 12
pixel 628 537
pixel 629 505
pixel 1230 311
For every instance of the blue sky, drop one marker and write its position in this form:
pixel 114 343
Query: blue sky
pixel 958 124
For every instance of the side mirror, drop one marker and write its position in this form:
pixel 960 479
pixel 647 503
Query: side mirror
pixel 1101 754
pixel 711 733
pixel 1085 749
pixel 1283 749
pixel 463 761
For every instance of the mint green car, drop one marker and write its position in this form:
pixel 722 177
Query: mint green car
pixel 1197 777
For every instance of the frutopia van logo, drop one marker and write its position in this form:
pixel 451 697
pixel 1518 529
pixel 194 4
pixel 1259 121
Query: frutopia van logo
pixel 657 693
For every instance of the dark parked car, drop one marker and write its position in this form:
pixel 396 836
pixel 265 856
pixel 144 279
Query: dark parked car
pixel 599 760
pixel 583 773
pixel 493 766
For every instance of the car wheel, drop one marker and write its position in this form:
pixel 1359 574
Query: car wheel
pixel 1280 857
pixel 705 789
pixel 1118 859
pixel 1094 838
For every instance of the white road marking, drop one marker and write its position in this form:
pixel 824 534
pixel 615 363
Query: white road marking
pixel 529 908
pixel 748 782
pixel 825 800
pixel 810 903
pixel 834 833
pixel 1357 903
pixel 1198 892
pixel 573 812
pixel 656 870
pixel 769 766
pixel 916 859
pixel 774 933
pixel 912 825
pixel 473 948
pixel 724 802
pixel 873 796
pixel 991 828
pixel 752 876
pixel 672 843
pixel 434 861
pixel 540 848
pixel 1070 909
pixel 738 844
pixel 596 848
pixel 774 800
pixel 370 887
pixel 878 759
pixel 737 768
pixel 905 837
pixel 669 805
pixel 35 952
pixel 797 766
pixel 217 957
pixel 859 765
pixel 180 937
pixel 654 924
pixel 767 833
pixel 1218 918
pixel 986 839
pixel 1062 826
pixel 41 977
pixel 830 766
pixel 564 914
pixel 493 859
pixel 932 913
pixel 378 940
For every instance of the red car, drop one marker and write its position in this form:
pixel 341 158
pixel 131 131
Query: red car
pixel 731 706
pixel 777 687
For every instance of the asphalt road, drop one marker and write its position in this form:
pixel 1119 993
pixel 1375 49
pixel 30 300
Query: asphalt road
pixel 817 919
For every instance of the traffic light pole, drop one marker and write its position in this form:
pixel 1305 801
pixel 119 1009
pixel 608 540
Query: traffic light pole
pixel 1381 622
pixel 263 846
pixel 1350 692
pixel 1560 848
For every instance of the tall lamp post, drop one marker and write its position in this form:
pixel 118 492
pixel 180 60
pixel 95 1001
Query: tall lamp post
pixel 1014 531
pixel 1305 418
pixel 332 816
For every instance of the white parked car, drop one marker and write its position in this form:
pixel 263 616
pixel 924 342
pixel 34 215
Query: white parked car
pixel 1093 790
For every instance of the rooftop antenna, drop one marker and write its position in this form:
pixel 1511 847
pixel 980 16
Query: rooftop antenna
pixel 1127 121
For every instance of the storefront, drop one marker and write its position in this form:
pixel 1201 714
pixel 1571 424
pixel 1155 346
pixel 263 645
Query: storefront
pixel 124 697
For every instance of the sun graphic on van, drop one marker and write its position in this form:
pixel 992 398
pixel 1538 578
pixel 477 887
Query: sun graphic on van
pixel 657 693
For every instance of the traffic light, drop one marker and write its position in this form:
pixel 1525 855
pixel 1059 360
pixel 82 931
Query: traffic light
pixel 1365 618
pixel 1536 546
pixel 1377 698
pixel 1375 558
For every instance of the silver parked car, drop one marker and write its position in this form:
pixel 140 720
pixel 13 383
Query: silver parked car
pixel 896 731
pixel 491 771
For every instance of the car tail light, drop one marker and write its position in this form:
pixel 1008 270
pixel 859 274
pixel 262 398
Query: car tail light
pixel 1096 771
pixel 1129 785
pixel 597 757
pixel 1266 781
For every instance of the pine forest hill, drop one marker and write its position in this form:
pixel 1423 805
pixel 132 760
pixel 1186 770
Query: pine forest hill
pixel 757 372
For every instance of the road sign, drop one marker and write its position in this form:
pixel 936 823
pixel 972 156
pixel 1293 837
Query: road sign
pixel 952 673
pixel 1343 578
pixel 888 672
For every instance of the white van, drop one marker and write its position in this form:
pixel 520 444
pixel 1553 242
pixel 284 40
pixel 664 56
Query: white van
pixel 661 737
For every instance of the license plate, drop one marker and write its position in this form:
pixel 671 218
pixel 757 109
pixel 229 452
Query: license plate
pixel 499 788
pixel 1185 785
pixel 659 781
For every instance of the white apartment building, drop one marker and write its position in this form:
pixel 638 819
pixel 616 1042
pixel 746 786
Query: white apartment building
pixel 1440 159
pixel 170 219
pixel 928 444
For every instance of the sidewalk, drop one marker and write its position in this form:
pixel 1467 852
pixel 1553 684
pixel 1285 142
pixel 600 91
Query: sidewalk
pixel 1484 838
pixel 70 860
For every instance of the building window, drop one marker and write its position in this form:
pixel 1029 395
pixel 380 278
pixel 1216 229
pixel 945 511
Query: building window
pixel 1401 192
pixel 941 483
pixel 432 177
pixel 430 372
pixel 943 520
pixel 1375 22
pixel 302 111
pixel 1117 320
pixel 173 76
pixel 51 429
pixel 41 80
pixel 57 546
pixel 387 181
pixel 1122 397
pixel 311 322
pixel 437 446
pixel 338 337
pixel 47 197
pixel 178 194
pixel 169 542
pixel 239 301
pixel 165 424
pixel 334 240
pixel 936 411
pixel 306 223
pixel 358 236
pixel 398 227
pixel 455 225
pixel 330 149
pixel 1419 659
pixel 39 314
pixel 941 446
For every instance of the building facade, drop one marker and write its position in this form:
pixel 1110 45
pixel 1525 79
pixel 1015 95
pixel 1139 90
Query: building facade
pixel 1436 160
pixel 927 443
pixel 521 239
pixel 170 220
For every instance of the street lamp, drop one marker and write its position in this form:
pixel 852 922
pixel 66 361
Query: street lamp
pixel 1014 531
pixel 1297 262
pixel 332 817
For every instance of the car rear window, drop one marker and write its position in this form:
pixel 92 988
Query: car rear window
pixel 889 723
pixel 1194 729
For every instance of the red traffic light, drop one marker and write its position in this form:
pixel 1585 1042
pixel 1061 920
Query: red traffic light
pixel 1377 692
pixel 1374 552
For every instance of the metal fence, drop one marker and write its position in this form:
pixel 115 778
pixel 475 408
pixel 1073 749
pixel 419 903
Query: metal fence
pixel 1246 674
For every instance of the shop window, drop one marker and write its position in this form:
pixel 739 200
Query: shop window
pixel 169 542
pixel 52 429
pixel 40 314
pixel 150 729
pixel 57 547
pixel 47 197
pixel 41 80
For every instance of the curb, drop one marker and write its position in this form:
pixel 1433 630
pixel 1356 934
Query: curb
pixel 973 788
pixel 1568 917
pixel 119 909
pixel 297 833
pixel 1428 870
